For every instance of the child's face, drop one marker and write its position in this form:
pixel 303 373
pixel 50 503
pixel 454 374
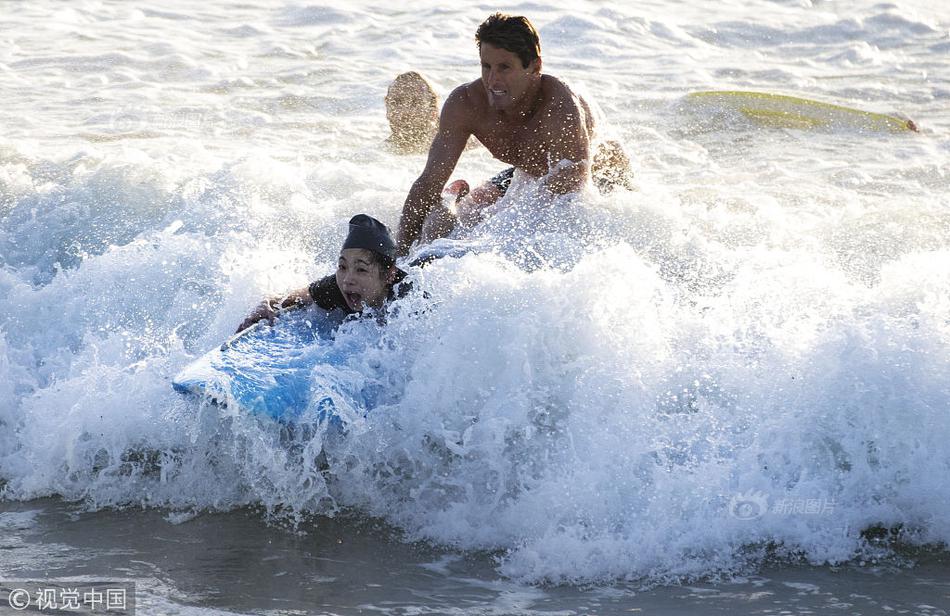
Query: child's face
pixel 360 280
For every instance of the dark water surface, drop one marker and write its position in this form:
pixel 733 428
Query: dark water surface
pixel 235 562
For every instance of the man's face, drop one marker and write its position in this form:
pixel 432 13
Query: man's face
pixel 504 78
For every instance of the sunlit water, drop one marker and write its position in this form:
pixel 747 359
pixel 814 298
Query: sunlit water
pixel 744 361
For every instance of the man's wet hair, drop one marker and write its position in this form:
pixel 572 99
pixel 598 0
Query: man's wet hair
pixel 512 33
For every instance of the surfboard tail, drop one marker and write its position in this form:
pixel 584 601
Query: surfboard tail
pixel 783 111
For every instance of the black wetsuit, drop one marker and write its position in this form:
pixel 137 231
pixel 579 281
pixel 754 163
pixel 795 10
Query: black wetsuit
pixel 503 180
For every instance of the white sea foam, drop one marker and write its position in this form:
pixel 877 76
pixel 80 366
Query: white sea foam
pixel 750 350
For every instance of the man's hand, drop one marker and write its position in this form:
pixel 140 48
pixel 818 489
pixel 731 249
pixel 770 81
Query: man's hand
pixel 567 176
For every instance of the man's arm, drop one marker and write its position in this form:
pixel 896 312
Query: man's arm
pixel 425 194
pixel 568 139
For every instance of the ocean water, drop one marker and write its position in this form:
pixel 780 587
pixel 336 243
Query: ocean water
pixel 738 371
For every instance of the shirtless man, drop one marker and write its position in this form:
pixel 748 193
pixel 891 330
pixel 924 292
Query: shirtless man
pixel 531 121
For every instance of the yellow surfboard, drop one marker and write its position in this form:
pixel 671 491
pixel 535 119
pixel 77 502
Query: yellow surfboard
pixel 781 111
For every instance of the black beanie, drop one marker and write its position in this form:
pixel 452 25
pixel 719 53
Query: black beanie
pixel 367 232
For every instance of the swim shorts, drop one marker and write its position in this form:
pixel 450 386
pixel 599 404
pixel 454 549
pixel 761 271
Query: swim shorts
pixel 503 180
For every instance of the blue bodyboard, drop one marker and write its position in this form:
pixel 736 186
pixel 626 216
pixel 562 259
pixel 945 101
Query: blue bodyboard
pixel 289 371
pixel 297 369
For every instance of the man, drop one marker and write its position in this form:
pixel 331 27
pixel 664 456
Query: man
pixel 531 121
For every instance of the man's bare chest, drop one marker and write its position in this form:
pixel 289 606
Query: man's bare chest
pixel 521 146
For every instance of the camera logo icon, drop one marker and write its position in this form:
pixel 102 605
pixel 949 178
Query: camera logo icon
pixel 749 505
pixel 127 120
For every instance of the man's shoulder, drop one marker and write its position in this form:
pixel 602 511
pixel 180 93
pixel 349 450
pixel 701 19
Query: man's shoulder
pixel 469 96
pixel 558 92
pixel 464 107
pixel 563 102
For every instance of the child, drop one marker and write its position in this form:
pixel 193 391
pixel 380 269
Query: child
pixel 365 275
